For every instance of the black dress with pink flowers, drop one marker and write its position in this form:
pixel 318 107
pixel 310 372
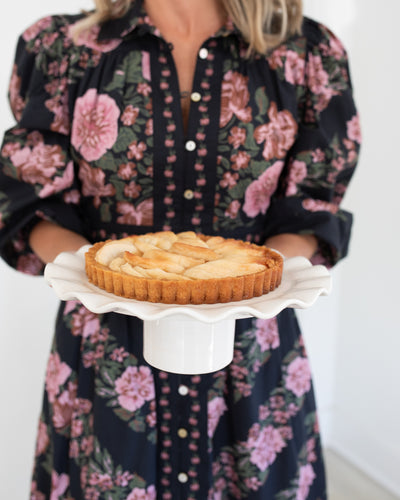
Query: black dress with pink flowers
pixel 100 148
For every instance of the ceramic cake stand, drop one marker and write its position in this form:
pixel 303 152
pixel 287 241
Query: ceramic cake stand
pixel 189 339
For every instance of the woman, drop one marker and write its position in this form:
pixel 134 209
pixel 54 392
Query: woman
pixel 224 117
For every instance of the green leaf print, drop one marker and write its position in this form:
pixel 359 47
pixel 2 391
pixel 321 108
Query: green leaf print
pixel 262 100
pixel 125 137
pixel 130 71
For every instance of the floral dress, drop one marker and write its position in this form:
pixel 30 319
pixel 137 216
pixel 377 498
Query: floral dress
pixel 100 148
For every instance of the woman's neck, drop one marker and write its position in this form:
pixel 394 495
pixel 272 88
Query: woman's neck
pixel 186 18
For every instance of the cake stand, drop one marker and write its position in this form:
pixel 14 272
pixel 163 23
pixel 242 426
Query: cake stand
pixel 189 339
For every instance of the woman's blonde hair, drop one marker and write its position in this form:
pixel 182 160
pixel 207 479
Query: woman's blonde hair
pixel 263 23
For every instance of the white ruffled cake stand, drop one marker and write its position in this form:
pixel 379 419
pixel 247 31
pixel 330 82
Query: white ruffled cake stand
pixel 189 339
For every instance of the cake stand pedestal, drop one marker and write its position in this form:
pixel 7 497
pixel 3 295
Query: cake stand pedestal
pixel 189 339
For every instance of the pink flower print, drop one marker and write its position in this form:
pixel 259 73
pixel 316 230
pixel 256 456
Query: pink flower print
pixel 149 127
pixel 233 209
pixel 72 197
pixel 42 440
pixel 275 60
pixel 93 183
pixel 123 479
pixel 258 193
pixel 252 483
pixel 240 160
pixel 35 493
pixel 87 445
pixel 16 102
pixel 267 334
pixel 297 172
pixel 29 264
pixel 311 456
pixel 59 107
pixel 142 215
pixel 63 407
pixel 119 354
pixel 215 409
pixel 127 170
pixel 95 124
pixel 34 138
pixel 294 68
pixel 263 412
pixel 229 180
pixel 278 135
pixel 102 481
pixel 354 129
pixel 146 73
pixel 234 98
pixel 59 183
pixel 39 164
pixel 134 387
pixel 57 374
pixel 298 378
pixel 336 48
pixel 237 136
pixel 277 402
pixel 35 29
pixel 136 150
pixel 132 190
pixel 59 485
pixel 10 148
pixel 129 115
pixel 319 205
pixel 76 427
pixel 143 88
pixel 317 77
pixel 85 323
pixel 92 493
pixel 143 494
pixel 318 155
pixel 306 478
pixel 89 38
pixel 264 444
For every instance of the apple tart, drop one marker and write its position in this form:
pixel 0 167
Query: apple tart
pixel 183 268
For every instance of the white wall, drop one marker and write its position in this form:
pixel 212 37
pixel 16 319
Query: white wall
pixel 365 414
pixel 353 335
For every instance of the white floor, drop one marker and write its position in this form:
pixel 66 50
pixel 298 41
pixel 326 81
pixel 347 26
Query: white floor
pixel 346 482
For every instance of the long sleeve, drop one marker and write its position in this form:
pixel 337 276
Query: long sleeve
pixel 37 178
pixel 324 155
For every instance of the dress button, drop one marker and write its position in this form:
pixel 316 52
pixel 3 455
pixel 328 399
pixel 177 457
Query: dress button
pixel 203 53
pixel 183 390
pixel 188 194
pixel 190 146
pixel 196 96
pixel 182 433
pixel 183 477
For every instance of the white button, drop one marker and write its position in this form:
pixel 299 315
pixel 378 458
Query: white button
pixel 183 477
pixel 190 146
pixel 183 390
pixel 196 97
pixel 182 433
pixel 188 194
pixel 203 53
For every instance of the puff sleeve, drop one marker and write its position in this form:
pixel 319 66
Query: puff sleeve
pixel 37 178
pixel 322 160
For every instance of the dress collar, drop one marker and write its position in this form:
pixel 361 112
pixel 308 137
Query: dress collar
pixel 136 18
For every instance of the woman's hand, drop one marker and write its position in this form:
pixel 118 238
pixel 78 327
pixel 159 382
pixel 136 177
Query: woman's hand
pixel 293 245
pixel 47 240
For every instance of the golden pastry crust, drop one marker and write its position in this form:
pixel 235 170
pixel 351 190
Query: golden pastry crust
pixel 183 268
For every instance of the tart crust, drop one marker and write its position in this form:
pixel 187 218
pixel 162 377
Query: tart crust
pixel 258 269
